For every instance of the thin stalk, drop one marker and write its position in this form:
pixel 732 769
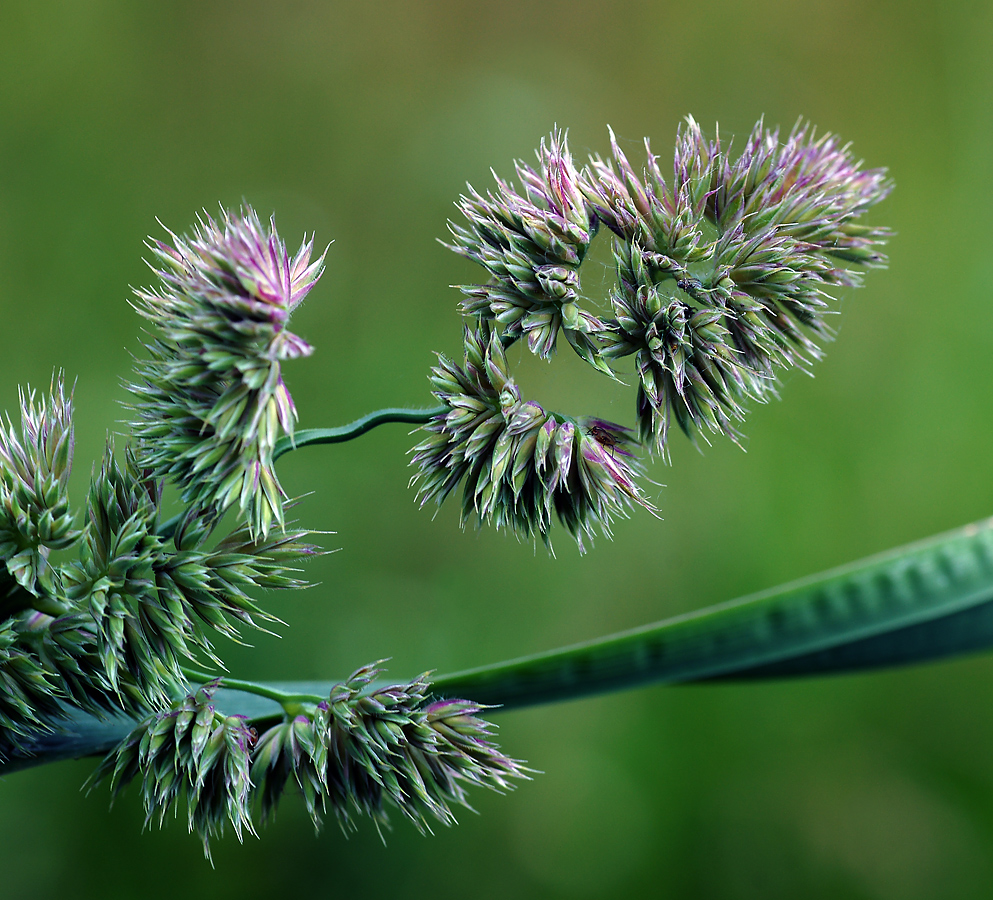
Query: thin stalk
pixel 289 700
pixel 309 436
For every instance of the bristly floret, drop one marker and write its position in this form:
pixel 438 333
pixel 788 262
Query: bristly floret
pixel 518 463
pixel 35 516
pixel 807 187
pixel 211 400
pixel 663 219
pixel 724 271
pixel 532 244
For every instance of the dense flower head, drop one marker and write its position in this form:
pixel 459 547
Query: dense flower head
pixel 211 400
pixel 747 248
pixel 110 630
pixel 532 245
pixel 367 747
pixel 194 751
pixel 686 369
pixel 35 519
pixel 35 464
pixel 518 463
pixel 110 626
pixel 724 276
pixel 150 603
pixel 724 272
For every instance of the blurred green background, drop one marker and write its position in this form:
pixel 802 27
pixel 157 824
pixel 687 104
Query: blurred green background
pixel 363 122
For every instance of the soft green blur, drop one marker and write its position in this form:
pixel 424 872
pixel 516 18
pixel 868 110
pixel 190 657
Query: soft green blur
pixel 363 122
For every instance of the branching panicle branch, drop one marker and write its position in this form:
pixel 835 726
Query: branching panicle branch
pixel 109 615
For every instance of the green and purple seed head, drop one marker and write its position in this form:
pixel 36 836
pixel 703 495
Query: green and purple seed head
pixel 211 400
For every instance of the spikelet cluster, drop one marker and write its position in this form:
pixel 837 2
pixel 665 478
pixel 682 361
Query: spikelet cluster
pixel 364 749
pixel 194 751
pixel 516 463
pixel 724 270
pixel 395 746
pixel 152 600
pixel 35 519
pixel 28 693
pixel 367 748
pixel 210 401
pixel 724 276
pixel 35 516
pixel 532 244
pixel 109 629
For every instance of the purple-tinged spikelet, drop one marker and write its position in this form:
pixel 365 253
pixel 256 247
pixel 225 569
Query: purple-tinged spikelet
pixel 532 245
pixel 518 464
pixel 211 400
pixel 367 748
pixel 35 516
pixel 724 271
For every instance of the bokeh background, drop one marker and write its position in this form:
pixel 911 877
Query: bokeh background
pixel 362 122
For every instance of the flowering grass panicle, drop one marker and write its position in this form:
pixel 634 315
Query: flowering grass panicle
pixel 111 629
pixel 35 519
pixel 211 401
pixel 518 464
pixel 725 270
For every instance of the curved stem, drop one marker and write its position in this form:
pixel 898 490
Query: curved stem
pixel 287 699
pixel 309 436
pixel 355 429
